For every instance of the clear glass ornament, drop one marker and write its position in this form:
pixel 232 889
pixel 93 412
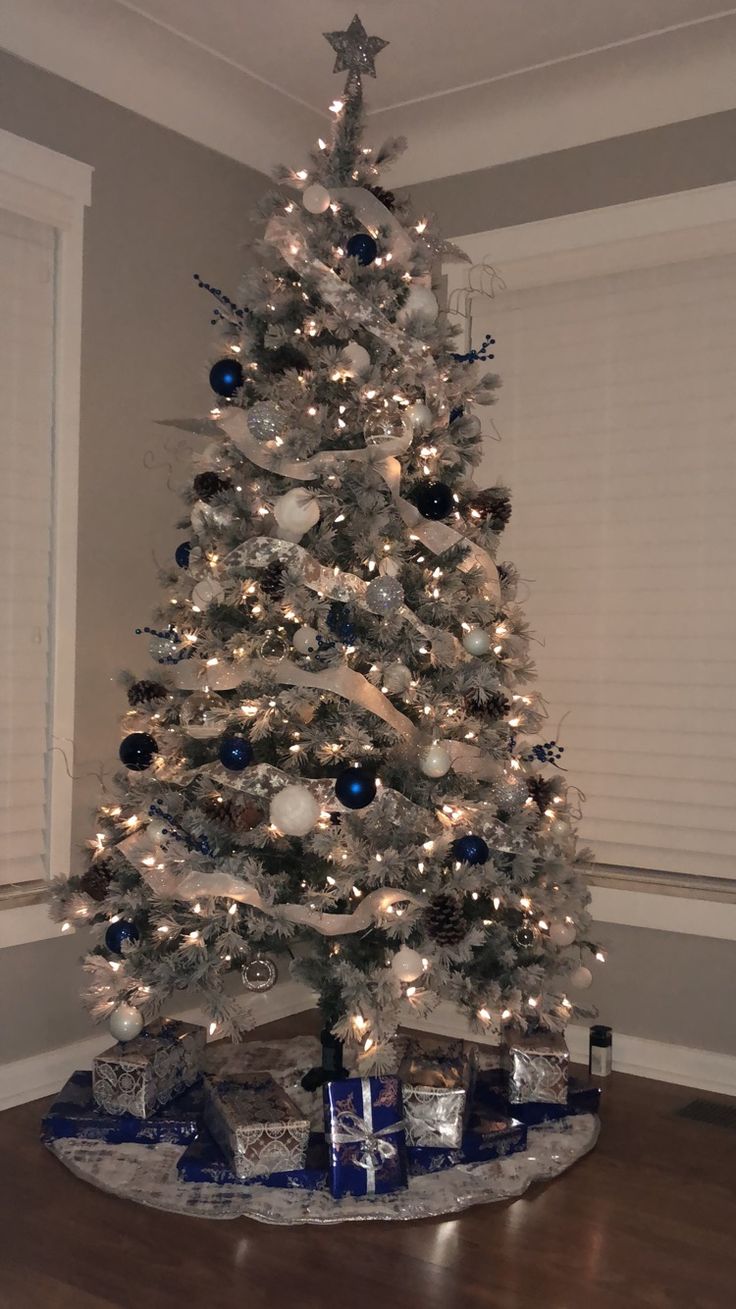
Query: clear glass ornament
pixel 259 974
pixel 164 648
pixel 382 428
pixel 204 715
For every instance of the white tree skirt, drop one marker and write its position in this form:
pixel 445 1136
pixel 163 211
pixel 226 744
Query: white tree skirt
pixel 147 1174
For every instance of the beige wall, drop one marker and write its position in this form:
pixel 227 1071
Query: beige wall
pixel 162 209
pixel 663 986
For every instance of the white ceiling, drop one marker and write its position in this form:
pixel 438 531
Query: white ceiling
pixel 435 46
pixel 470 82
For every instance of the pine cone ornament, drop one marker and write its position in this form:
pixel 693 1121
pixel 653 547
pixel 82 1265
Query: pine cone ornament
pixel 387 198
pixel 492 507
pixel 95 882
pixel 207 485
pixel 492 704
pixel 272 580
pixel 444 920
pixel 542 790
pixel 237 814
pixel 145 692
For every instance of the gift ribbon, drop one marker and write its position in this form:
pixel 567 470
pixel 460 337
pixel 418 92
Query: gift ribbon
pixel 343 297
pixel 189 887
pixel 350 1129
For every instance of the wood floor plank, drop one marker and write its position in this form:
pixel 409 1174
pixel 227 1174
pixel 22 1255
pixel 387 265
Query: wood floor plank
pixel 647 1221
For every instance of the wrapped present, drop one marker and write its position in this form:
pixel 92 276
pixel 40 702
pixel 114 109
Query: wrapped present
pixel 537 1064
pixel 489 1135
pixel 139 1076
pixel 74 1113
pixel 204 1161
pixel 437 1077
pixel 583 1097
pixel 364 1126
pixel 256 1125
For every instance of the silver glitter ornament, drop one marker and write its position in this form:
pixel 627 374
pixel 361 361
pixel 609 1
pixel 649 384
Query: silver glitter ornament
pixel 266 421
pixel 383 595
pixel 508 794
pixel 259 974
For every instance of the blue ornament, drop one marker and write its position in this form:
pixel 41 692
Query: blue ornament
pixel 433 499
pixel 457 412
pixel 355 787
pixel 137 751
pixel 182 553
pixel 338 621
pixel 236 752
pixel 470 849
pixel 119 932
pixel 362 247
pixel 226 377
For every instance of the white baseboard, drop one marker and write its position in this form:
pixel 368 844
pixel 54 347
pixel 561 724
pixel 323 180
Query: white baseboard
pixel 43 1074
pixel 705 1070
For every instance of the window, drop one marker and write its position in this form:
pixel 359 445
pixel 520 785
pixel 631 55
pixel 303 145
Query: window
pixel 42 199
pixel 616 346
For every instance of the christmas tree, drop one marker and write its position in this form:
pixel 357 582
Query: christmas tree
pixel 336 755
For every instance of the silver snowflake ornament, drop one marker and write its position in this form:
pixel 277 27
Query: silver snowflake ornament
pixel 356 50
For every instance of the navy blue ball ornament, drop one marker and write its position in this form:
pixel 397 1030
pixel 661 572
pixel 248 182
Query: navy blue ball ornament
pixel 236 752
pixel 137 751
pixel 182 553
pixel 362 247
pixel 226 377
pixel 118 933
pixel 355 787
pixel 339 622
pixel 470 849
pixel 433 499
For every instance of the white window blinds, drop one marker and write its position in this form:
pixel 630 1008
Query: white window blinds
pixel 618 424
pixel 26 499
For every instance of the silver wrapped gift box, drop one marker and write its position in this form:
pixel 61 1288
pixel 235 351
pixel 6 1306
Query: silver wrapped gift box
pixel 139 1076
pixel 537 1068
pixel 256 1125
pixel 437 1077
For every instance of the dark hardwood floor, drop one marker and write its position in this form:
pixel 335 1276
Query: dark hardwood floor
pixel 647 1219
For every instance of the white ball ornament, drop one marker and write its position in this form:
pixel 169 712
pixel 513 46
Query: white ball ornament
pixel 418 417
pixel 305 640
pixel 126 1022
pixel 356 359
pixel 477 641
pixel 316 198
pixel 294 811
pixel 562 933
pixel 407 964
pixel 435 761
pixel 207 592
pixel 295 512
pixel 421 304
pixel 581 978
pixel 396 678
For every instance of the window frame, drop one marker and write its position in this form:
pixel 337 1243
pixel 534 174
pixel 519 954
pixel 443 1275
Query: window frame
pixel 639 234
pixel 53 189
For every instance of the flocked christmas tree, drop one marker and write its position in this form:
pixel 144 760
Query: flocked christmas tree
pixel 335 758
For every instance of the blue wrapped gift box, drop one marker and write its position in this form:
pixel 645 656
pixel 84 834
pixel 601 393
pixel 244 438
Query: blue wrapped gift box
pixel 203 1161
pixel 489 1136
pixel 75 1113
pixel 583 1097
pixel 364 1126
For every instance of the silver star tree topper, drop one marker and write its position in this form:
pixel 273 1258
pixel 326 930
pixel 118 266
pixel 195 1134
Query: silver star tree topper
pixel 356 50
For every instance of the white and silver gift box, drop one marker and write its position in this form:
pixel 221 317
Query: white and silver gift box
pixel 137 1077
pixel 536 1068
pixel 437 1077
